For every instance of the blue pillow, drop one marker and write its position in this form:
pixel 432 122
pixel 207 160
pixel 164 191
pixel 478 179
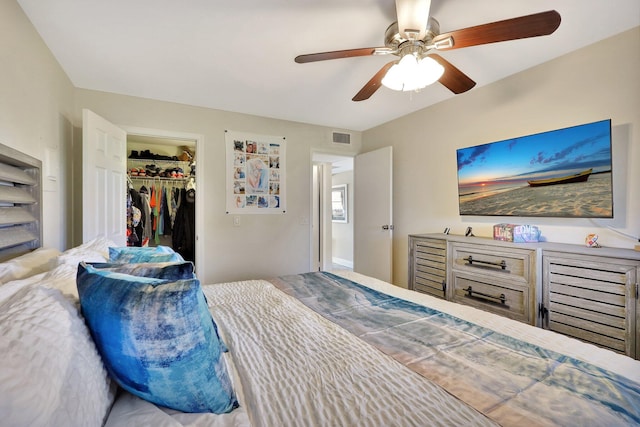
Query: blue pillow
pixel 133 254
pixel 157 339
pixel 158 270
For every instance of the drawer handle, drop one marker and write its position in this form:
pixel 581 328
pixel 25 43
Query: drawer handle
pixel 502 264
pixel 491 298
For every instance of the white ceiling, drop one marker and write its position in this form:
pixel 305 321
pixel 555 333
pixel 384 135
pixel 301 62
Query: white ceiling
pixel 237 55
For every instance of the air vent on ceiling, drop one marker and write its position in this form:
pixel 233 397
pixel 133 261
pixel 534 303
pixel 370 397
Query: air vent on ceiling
pixel 341 138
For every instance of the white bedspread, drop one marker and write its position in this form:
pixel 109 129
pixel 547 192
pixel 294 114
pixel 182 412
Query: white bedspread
pixel 298 369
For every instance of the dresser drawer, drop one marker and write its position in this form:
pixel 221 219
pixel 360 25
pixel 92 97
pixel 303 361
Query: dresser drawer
pixel 501 297
pixel 512 264
pixel 428 266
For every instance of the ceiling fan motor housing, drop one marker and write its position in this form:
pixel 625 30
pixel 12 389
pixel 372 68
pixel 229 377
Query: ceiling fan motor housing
pixel 402 46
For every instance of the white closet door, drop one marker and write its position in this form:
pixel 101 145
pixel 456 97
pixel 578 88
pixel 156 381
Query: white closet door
pixel 104 163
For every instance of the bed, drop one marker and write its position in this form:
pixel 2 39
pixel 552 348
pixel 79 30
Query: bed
pixel 323 348
pixel 314 349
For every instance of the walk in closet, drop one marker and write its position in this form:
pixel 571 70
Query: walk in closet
pixel 161 194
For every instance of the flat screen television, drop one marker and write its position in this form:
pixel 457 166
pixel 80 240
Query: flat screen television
pixel 559 173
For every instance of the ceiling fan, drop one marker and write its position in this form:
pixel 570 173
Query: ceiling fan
pixel 415 34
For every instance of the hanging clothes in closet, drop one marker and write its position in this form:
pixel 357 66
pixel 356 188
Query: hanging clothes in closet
pixel 184 225
pixel 135 216
pixel 158 205
pixel 146 215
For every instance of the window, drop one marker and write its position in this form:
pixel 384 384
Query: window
pixel 339 203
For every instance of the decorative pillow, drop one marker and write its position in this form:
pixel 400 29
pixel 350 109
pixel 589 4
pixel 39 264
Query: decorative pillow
pixel 159 270
pixel 132 254
pixel 157 339
pixel 27 265
pixel 51 373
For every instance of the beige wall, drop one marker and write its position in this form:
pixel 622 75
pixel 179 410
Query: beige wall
pixel 263 245
pixel 36 102
pixel 40 115
pixel 594 83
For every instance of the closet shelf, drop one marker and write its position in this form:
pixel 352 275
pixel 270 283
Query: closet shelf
pixel 160 169
pixel 157 162
pixel 159 178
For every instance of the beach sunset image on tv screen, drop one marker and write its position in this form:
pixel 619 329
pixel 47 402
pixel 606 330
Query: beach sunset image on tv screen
pixel 560 173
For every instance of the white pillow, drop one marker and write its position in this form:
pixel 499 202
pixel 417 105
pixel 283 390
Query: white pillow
pixel 27 265
pixel 96 250
pixel 63 278
pixel 51 372
pixel 10 288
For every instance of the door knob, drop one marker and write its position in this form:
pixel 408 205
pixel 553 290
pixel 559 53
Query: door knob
pixel 387 227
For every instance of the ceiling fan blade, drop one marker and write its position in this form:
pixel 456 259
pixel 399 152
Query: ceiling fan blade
pixel 372 85
pixel 337 54
pixel 538 24
pixel 453 79
pixel 413 16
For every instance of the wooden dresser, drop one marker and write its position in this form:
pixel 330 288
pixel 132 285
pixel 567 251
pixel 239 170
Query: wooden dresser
pixel 587 293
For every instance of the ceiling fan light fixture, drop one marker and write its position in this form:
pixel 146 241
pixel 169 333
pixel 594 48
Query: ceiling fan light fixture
pixel 430 70
pixel 411 73
pixel 394 79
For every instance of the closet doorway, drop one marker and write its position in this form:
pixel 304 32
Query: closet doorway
pixel 162 174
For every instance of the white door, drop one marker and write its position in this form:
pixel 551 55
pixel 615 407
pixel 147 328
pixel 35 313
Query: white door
pixel 104 165
pixel 373 224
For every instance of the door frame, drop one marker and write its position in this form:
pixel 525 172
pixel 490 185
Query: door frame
pixel 200 183
pixel 320 229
